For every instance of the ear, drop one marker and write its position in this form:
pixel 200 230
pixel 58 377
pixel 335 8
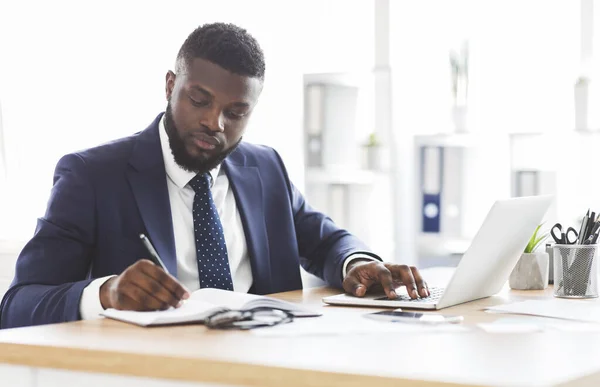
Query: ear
pixel 169 84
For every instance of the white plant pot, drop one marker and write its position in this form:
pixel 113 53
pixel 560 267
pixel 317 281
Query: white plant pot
pixel 581 106
pixel 374 156
pixel 530 272
pixel 459 118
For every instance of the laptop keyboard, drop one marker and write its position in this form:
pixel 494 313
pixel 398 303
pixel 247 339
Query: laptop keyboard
pixel 434 295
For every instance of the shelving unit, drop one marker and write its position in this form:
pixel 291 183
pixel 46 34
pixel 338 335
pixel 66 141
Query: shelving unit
pixel 562 164
pixel 473 172
pixel 338 118
pixel 565 163
pixel 343 176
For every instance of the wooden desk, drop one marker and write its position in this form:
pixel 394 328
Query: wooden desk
pixel 193 353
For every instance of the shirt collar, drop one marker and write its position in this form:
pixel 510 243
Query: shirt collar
pixel 179 176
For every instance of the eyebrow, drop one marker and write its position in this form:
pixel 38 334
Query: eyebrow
pixel 203 91
pixel 209 95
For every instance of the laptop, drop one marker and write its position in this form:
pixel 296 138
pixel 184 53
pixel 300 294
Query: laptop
pixel 485 266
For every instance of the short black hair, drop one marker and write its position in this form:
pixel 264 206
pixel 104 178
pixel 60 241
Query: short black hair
pixel 226 45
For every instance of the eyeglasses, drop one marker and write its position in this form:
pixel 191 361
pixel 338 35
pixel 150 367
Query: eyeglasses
pixel 248 319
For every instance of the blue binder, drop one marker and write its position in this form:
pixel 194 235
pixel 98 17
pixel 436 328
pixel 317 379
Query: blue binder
pixel 432 158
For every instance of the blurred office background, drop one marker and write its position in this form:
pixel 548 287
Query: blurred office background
pixel 403 120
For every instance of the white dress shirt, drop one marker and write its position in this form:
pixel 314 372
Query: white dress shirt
pixel 181 198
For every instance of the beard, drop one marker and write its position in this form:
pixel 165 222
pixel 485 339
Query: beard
pixel 181 155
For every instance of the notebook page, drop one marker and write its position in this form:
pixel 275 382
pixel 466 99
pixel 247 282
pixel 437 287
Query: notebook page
pixel 190 311
pixel 225 298
pixel 237 300
pixel 587 310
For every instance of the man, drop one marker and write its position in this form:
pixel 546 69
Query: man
pixel 219 212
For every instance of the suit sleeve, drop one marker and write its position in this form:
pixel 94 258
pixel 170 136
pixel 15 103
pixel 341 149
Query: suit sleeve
pixel 323 246
pixel 52 268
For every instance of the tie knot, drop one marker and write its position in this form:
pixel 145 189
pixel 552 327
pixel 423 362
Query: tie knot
pixel 200 182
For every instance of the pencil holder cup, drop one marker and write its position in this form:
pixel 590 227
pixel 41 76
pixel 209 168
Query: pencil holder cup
pixel 575 271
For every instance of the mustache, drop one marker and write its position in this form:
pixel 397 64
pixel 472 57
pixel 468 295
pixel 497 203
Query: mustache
pixel 178 140
pixel 206 136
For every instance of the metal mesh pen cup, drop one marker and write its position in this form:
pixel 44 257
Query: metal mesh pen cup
pixel 575 271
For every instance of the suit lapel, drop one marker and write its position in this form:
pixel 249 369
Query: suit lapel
pixel 247 188
pixel 148 181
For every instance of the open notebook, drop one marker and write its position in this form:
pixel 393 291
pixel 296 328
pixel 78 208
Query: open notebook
pixel 201 304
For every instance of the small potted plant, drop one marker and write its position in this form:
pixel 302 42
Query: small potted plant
pixel 531 271
pixel 459 68
pixel 374 154
pixel 582 100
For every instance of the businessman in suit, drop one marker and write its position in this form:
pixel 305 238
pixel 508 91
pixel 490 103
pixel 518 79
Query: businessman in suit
pixel 220 212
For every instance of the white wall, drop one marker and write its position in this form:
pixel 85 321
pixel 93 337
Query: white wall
pixel 523 62
pixel 8 254
pixel 524 57
pixel 75 74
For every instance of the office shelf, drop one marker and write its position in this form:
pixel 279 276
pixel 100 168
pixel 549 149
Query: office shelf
pixel 465 140
pixel 11 246
pixel 432 244
pixel 343 176
pixel 350 79
pixel 477 138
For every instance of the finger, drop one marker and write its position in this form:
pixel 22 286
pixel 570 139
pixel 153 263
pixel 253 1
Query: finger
pixel 421 286
pixel 353 285
pixel 405 274
pixel 124 302
pixel 166 280
pixel 157 289
pixel 384 276
pixel 146 300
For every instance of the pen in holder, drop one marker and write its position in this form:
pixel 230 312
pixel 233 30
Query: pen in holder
pixel 550 252
pixel 575 271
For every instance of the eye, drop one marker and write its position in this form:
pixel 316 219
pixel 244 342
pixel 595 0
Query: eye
pixel 234 115
pixel 199 103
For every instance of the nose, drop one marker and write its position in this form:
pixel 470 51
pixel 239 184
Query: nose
pixel 214 120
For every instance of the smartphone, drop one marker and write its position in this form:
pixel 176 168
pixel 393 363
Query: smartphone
pixel 414 317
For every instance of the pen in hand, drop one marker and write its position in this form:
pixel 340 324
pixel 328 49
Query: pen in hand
pixel 153 254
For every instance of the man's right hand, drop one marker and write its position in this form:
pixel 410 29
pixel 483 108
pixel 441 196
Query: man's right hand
pixel 143 286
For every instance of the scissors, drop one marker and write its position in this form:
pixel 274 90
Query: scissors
pixel 568 237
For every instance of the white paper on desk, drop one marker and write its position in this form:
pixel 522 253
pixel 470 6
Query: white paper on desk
pixel 510 328
pixel 325 327
pixel 578 327
pixel 524 323
pixel 588 311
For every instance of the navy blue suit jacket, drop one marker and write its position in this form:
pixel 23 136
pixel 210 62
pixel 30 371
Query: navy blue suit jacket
pixel 104 197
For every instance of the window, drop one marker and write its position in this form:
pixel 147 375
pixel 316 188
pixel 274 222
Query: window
pixel 523 62
pixel 76 74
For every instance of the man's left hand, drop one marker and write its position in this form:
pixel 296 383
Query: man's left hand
pixel 364 276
